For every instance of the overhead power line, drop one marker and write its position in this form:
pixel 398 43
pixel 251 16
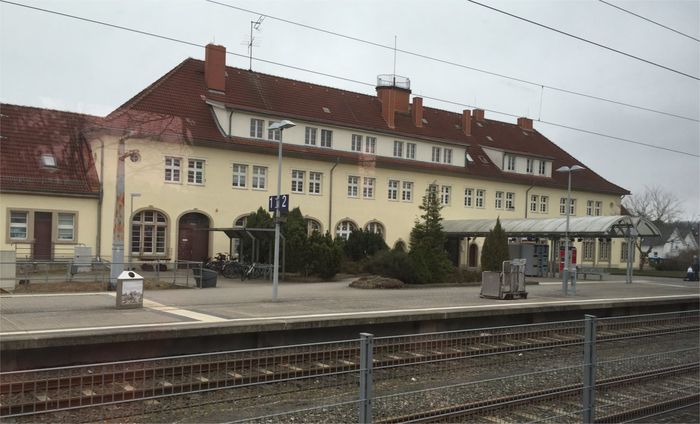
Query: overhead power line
pixel 649 20
pixel 189 43
pixel 584 40
pixel 451 63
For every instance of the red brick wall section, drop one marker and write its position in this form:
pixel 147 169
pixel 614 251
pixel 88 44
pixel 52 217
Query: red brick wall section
pixel 467 122
pixel 479 114
pixel 215 67
pixel 525 123
pixel 417 111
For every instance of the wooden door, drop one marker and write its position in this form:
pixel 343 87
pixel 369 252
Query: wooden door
pixel 473 255
pixel 42 235
pixel 193 239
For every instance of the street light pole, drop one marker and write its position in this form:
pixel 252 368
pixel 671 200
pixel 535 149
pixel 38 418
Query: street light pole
pixel 281 126
pixel 567 257
pixel 131 219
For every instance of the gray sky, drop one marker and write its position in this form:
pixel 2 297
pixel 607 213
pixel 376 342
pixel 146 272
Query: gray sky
pixel 56 62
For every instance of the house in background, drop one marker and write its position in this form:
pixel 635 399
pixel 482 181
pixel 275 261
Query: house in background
pixel 675 238
pixel 206 157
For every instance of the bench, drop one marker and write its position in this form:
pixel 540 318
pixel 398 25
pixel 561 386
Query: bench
pixel 585 271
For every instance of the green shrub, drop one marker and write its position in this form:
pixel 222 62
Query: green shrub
pixel 495 249
pixel 325 254
pixel 297 248
pixel 392 264
pixel 363 244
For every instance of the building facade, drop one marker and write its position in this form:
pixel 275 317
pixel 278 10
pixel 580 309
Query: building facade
pixel 196 151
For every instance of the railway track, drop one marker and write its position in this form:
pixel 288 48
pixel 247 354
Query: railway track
pixel 37 391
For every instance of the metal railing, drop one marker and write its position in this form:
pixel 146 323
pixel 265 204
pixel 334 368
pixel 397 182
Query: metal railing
pixel 570 371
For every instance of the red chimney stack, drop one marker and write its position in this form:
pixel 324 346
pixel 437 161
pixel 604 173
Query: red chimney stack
pixel 394 92
pixel 467 122
pixel 525 123
pixel 215 67
pixel 417 111
pixel 479 114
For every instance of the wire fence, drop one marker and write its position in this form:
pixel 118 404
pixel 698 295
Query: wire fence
pixel 606 370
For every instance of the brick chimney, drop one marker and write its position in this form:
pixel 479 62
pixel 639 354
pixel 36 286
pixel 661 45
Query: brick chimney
pixel 525 123
pixel 479 114
pixel 417 111
pixel 215 67
pixel 393 92
pixel 467 122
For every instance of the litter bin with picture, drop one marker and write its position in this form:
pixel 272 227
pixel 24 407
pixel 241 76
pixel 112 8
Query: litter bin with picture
pixel 129 290
pixel 205 278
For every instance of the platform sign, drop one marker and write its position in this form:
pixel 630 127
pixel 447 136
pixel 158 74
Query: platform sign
pixel 272 203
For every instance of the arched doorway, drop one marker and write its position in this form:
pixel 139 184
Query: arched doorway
pixel 193 239
pixel 473 255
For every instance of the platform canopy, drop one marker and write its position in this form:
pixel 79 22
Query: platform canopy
pixel 615 226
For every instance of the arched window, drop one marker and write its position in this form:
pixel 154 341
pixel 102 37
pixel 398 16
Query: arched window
pixel 312 225
pixel 148 234
pixel 344 229
pixel 375 227
pixel 240 221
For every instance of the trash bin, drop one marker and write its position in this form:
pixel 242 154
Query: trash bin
pixel 205 278
pixel 129 290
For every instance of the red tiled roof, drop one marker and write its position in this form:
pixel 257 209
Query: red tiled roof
pixel 27 133
pixel 175 105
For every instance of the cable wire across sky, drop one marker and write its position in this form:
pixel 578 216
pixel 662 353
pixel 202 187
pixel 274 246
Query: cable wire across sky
pixel 193 44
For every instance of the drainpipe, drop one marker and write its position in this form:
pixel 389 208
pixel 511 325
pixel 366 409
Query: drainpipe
pixel 230 115
pixel 527 199
pixel 330 196
pixel 98 241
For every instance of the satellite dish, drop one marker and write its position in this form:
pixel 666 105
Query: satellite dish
pixel 135 156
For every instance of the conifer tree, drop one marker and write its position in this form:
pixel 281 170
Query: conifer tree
pixel 495 249
pixel 427 253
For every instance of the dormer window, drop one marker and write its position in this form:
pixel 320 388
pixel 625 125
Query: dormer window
pixel 48 161
pixel 510 162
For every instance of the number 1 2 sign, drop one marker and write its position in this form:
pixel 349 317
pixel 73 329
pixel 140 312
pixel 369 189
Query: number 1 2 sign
pixel 284 203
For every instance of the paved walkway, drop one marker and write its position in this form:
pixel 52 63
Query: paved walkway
pixel 34 316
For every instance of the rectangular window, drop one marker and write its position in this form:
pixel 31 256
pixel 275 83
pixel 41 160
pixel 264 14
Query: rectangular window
pixel 370 144
pixel 259 177
pixel 172 169
pixel 256 127
pixel 18 225
pixel 398 149
pixel 542 168
pixel 624 252
pixel 298 181
pixel 239 175
pixel 598 208
pixel 368 188
pixel 315 182
pixel 529 166
pixel 534 200
pixel 510 201
pixel 356 143
pixel 66 227
pixel 407 191
pixel 274 135
pixel 436 154
pixel 498 204
pixel 447 156
pixel 510 162
pixel 604 250
pixel 589 207
pixel 562 206
pixel 195 171
pixel 353 186
pixel 572 208
pixel 310 136
pixel 410 150
pixel 544 204
pixel 468 197
pixel 393 190
pixel 326 138
pixel 445 194
pixel 480 195
pixel 588 250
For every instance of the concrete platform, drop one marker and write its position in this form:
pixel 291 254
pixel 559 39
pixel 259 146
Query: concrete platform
pixel 244 312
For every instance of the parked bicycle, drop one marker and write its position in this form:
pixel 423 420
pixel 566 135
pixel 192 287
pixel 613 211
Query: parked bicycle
pixel 218 262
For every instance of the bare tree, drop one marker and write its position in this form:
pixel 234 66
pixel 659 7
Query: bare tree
pixel 655 204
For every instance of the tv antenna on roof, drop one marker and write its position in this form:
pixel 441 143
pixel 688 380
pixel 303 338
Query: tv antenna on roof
pixel 254 25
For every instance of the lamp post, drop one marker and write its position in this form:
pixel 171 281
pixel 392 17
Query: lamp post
pixel 131 219
pixel 565 274
pixel 281 125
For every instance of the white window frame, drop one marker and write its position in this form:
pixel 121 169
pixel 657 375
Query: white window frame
pixel 480 198
pixel 398 149
pixel 498 200
pixel 353 186
pixel 445 195
pixel 542 167
pixel 326 138
pixel 274 135
pixel 298 180
pixel 368 184
pixel 173 164
pixel 510 162
pixel 344 229
pixel 604 250
pixel 375 227
pixel 195 171
pixel 23 226
pixel 435 154
pixel 393 190
pixel 588 247
pixel 259 178
pixel 410 150
pixel 447 156
pixel 356 143
pixel 510 201
pixel 315 180
pixel 534 201
pixel 544 204
pixel 256 127
pixel 598 208
pixel 240 175
pixel 468 197
pixel 159 234
pixel 370 144
pixel 589 208
pixel 310 136
pixel 69 227
pixel 406 191
pixel 529 166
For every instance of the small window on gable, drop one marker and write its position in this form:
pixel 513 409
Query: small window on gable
pixel 325 109
pixel 48 160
